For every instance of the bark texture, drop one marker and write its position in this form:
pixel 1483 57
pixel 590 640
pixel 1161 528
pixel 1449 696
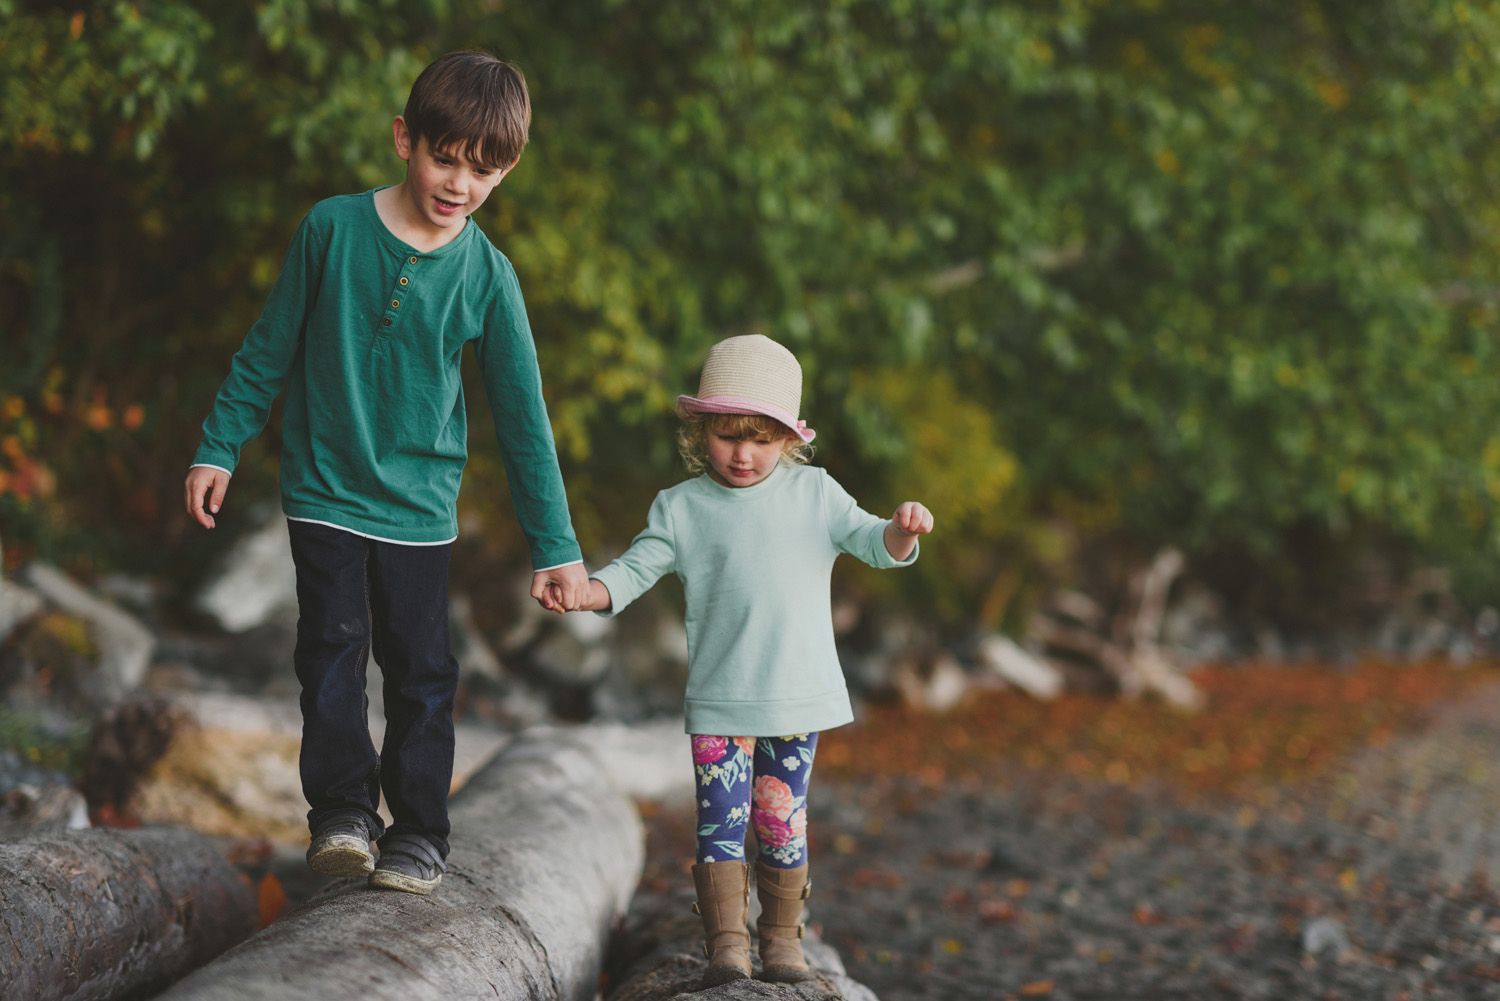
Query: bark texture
pixel 659 957
pixel 114 914
pixel 545 856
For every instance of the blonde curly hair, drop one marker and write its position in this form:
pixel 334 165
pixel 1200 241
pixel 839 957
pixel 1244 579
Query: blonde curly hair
pixel 692 435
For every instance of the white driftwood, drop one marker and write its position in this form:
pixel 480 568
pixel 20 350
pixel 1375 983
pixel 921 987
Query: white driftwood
pixel 545 856
pixel 99 914
pixel 1131 652
pixel 125 644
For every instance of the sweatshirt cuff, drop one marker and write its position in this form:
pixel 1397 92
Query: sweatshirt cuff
pixel 558 566
pixel 620 593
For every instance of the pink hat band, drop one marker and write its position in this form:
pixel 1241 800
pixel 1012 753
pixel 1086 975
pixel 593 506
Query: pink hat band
pixel 734 405
pixel 751 374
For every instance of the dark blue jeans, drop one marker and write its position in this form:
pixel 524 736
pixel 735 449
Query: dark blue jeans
pixel 355 597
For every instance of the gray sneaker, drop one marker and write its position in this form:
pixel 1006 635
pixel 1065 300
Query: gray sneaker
pixel 341 846
pixel 408 862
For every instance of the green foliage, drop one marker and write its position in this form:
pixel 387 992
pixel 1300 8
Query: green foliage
pixel 1218 274
pixel 42 743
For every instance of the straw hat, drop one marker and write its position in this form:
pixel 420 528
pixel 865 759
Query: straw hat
pixel 751 374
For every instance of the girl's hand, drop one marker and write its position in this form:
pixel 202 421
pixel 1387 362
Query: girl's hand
pixel 912 518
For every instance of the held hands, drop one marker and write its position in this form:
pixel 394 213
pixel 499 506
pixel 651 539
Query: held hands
pixel 910 520
pixel 203 480
pixel 561 589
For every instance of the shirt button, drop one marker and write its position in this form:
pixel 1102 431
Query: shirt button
pixel 403 281
pixel 386 322
pixel 411 260
pixel 395 303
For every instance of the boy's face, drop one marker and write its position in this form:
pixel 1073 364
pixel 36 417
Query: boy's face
pixel 443 186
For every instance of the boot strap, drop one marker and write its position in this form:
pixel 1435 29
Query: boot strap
pixel 728 896
pixel 781 931
pixel 784 893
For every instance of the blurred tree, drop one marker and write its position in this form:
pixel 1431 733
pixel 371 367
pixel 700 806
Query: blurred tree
pixel 1218 274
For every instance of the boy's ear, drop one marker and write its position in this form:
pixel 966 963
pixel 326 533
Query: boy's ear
pixel 402 136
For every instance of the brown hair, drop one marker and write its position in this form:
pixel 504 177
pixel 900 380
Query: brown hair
pixel 474 100
pixel 696 427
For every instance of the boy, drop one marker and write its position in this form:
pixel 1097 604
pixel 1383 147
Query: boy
pixel 365 326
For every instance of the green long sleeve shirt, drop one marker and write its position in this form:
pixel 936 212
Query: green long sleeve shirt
pixel 755 564
pixel 365 334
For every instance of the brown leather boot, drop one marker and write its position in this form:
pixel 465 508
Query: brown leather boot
pixel 781 892
pixel 724 903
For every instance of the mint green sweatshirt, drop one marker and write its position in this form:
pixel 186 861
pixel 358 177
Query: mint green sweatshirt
pixel 366 334
pixel 755 564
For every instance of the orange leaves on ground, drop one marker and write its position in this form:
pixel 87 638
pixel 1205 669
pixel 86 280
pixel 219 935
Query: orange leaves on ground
pixel 1145 914
pixel 108 816
pixel 998 911
pixel 872 878
pixel 1263 725
pixel 270 899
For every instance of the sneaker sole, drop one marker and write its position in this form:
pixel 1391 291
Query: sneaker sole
pixel 385 879
pixel 341 856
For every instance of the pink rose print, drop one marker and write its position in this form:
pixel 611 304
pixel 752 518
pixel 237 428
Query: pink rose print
pixel 707 750
pixel 797 824
pixel 774 796
pixel 770 829
pixel 746 744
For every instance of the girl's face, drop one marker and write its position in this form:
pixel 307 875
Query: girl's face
pixel 737 462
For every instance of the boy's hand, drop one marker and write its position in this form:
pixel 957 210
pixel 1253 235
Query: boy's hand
pixel 205 480
pixel 561 589
pixel 912 518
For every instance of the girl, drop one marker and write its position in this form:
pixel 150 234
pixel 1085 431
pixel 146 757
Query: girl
pixel 753 539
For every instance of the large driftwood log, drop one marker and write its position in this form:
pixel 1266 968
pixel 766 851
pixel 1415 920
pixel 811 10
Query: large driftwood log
pixel 659 957
pixel 114 914
pixel 546 854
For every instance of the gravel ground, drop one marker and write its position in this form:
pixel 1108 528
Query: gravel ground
pixel 1371 883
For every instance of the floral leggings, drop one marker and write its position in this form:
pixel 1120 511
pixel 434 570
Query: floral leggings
pixel 776 803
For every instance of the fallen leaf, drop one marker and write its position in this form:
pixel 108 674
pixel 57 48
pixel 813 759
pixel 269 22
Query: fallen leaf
pixel 868 877
pixel 272 899
pixel 1037 988
pixel 998 911
pixel 108 816
pixel 1145 914
pixel 957 898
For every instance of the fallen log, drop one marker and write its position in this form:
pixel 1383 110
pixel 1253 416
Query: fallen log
pixel 114 914
pixel 545 856
pixel 658 955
